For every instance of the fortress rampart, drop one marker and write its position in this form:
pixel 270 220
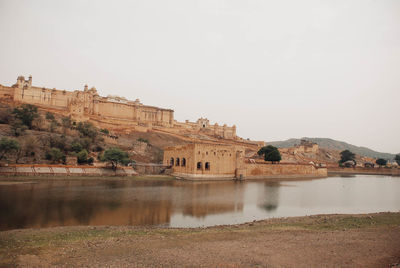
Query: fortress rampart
pixel 112 112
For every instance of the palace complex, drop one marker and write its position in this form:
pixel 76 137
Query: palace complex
pixel 208 150
pixel 112 112
pixel 212 161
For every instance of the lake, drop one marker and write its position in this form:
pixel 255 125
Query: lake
pixel 174 203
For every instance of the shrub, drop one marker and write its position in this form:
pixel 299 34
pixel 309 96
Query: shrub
pixel 8 146
pixel 82 156
pixel 55 155
pixel 26 113
pixel 76 147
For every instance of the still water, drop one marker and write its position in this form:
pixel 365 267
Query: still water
pixel 172 203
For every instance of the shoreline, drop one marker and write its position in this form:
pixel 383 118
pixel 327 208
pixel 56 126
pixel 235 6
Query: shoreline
pixel 371 240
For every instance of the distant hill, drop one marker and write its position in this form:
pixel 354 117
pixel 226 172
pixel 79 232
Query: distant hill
pixel 334 145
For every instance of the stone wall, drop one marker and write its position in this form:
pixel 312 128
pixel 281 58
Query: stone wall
pixel 62 170
pixel 267 170
pixel 365 171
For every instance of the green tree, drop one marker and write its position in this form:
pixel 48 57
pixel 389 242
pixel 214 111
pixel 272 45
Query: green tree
pixel 8 146
pixel 273 156
pixel 26 113
pixel 115 156
pixel 346 155
pixel 397 159
pixel 50 116
pixel 17 127
pixel 271 153
pixel 76 147
pixel 56 155
pixel 381 162
pixel 82 157
pixel 87 130
pixel 266 149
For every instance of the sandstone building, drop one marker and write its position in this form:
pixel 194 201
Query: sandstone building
pixel 217 161
pixel 112 112
pixel 201 160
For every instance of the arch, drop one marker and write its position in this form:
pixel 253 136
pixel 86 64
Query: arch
pixel 177 161
pixel 171 162
pixel 199 165
pixel 183 162
pixel 207 166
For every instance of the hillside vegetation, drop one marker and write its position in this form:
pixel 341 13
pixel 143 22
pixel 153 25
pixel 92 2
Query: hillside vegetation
pixel 332 144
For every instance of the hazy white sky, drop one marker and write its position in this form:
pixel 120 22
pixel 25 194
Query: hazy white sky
pixel 276 69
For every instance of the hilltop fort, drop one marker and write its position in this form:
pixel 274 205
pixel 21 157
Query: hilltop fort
pixel 115 113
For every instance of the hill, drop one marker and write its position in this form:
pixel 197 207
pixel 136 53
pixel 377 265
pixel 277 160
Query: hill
pixel 332 144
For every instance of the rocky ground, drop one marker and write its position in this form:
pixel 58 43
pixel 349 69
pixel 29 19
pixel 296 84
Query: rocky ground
pixel 371 240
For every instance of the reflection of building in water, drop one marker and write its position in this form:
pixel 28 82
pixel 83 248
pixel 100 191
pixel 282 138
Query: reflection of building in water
pixel 44 205
pixel 269 199
pixel 202 199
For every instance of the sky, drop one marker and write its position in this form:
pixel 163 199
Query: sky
pixel 276 69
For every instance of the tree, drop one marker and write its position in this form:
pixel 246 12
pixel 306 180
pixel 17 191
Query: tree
pixel 397 159
pixel 50 116
pixel 55 155
pixel 8 146
pixel 115 156
pixel 65 123
pixel 87 130
pixel 273 156
pixel 82 157
pixel 26 113
pixel 17 127
pixel 266 149
pixel 270 153
pixel 381 162
pixel 76 147
pixel 346 155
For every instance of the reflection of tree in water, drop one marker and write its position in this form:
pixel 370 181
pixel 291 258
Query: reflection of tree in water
pixel 81 203
pixel 270 201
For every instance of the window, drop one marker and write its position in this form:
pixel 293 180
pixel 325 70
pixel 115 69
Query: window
pixel 207 166
pixel 199 165
pixel 206 153
pixel 177 162
pixel 183 162
pixel 171 162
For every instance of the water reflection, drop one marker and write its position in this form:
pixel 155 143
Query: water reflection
pixel 188 204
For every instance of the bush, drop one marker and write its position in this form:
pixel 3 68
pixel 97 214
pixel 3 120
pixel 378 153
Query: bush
pixel 55 155
pixel 8 146
pixel 105 131
pixel 87 130
pixel 26 113
pixel 98 148
pixel 6 116
pixel 82 157
pixel 143 140
pixel 397 159
pixel 50 116
pixel 76 147
pixel 381 162
pixel 17 128
pixel 90 160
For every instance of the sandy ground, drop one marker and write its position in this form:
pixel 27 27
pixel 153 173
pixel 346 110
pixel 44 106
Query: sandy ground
pixel 371 240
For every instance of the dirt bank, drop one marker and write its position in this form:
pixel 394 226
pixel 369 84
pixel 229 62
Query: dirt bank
pixel 371 240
